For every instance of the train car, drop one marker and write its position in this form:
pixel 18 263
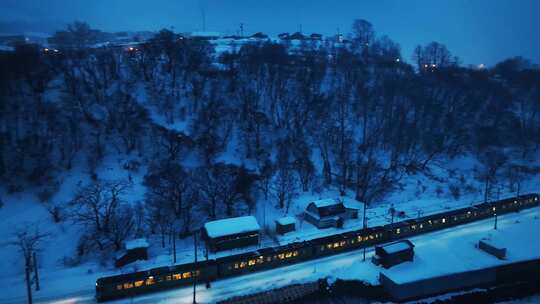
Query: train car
pixel 126 285
pixel 265 258
pixel 334 244
pixel 331 244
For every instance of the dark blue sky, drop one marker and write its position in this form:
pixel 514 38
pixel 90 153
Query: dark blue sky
pixel 478 31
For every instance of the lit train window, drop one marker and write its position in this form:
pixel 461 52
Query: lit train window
pixel 252 262
pixel 176 276
pixel 295 253
pixel 260 260
pixel 139 283
pixel 535 199
pixel 169 278
pixel 281 256
pixel 444 220
pixel 128 285
pixel 269 259
pixel 235 265
pixel 342 243
pixel 359 238
pixel 186 275
pixel 398 231
pixel 243 264
pixel 150 281
pixel 493 208
pixel 288 254
pixel 119 287
pixel 371 237
pixel 421 226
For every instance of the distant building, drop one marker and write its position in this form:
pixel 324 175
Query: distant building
pixel 231 233
pixel 234 37
pixel 329 213
pixel 206 35
pixel 13 40
pixel 315 36
pixel 393 254
pixel 297 36
pixel 259 35
pixel 283 36
pixel 134 250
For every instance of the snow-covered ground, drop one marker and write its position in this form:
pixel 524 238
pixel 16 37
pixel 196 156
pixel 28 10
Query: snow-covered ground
pixel 413 199
pixel 455 245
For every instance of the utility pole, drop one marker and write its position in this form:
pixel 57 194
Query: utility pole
pixel 194 272
pixel 28 284
pixel 241 30
pixel 174 246
pixel 36 277
pixel 364 224
pixel 392 213
pixel 498 198
pixel 206 255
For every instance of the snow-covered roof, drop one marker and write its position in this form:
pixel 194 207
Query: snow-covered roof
pixel 136 243
pixel 396 247
pixel 326 202
pixel 286 220
pixel 230 226
pixel 205 34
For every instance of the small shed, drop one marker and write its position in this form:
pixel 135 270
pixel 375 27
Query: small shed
pixel 136 249
pixel 285 224
pixel 393 254
pixel 231 233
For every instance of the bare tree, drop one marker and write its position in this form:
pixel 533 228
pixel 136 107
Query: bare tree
pixel 284 187
pixel 363 33
pixel 101 209
pixel 492 162
pixel 171 188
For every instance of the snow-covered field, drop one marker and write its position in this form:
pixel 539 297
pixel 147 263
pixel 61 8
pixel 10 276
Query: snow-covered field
pixel 20 209
pixel 455 245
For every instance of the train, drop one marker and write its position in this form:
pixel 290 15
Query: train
pixel 168 277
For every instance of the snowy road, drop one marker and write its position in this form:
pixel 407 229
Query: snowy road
pixel 346 266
